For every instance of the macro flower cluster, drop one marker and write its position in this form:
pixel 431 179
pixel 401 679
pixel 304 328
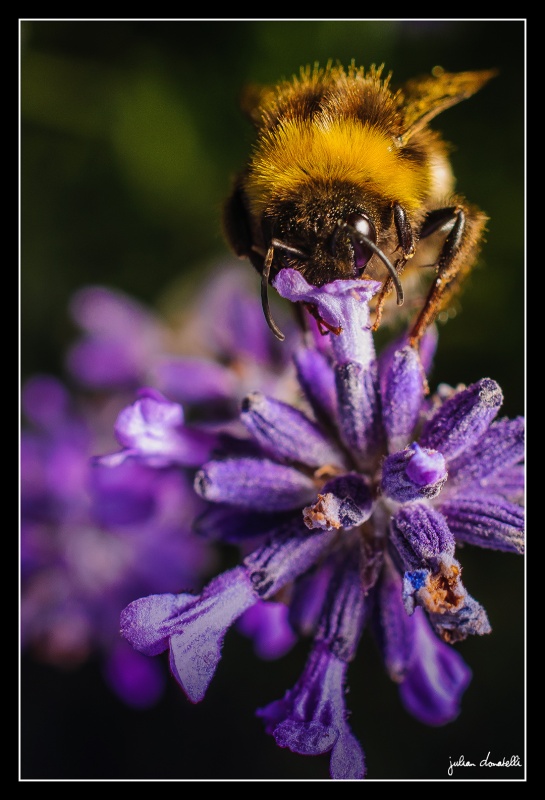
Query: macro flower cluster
pixel 348 498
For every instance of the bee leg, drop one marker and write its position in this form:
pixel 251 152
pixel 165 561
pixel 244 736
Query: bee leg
pixel 456 258
pixel 381 298
pixel 405 235
pixel 323 326
pixel 406 244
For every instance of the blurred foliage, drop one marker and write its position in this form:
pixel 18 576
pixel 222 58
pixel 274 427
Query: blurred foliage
pixel 130 136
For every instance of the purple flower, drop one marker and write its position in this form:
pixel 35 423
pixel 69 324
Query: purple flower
pixel 94 538
pixel 211 358
pixel 311 718
pixel 152 430
pixel 120 339
pixel 91 538
pixel 348 502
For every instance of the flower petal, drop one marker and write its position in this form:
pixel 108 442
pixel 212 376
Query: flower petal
pixel 434 683
pixel 462 419
pixel 148 622
pixel 45 401
pixel 148 417
pixel 285 433
pixel 497 524
pixel 152 430
pixel 311 718
pixel 317 379
pixel 194 380
pixel 308 598
pixel 402 395
pixel 121 337
pixel 359 409
pixel 501 446
pixel 306 738
pixel 392 625
pixel 125 494
pixel 345 610
pixel 99 310
pixel 347 759
pixel 105 364
pixel 334 300
pixel 138 680
pixel 254 483
pixel 288 553
pixel 420 535
pixel 196 649
pixel 268 626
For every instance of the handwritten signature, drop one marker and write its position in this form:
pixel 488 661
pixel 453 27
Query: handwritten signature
pixel 512 761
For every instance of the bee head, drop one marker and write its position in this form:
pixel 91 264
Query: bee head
pixel 323 245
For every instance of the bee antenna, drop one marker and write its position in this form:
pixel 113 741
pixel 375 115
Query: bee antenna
pixel 265 294
pixel 391 269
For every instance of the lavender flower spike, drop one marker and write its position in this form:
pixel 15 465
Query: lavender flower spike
pixel 341 501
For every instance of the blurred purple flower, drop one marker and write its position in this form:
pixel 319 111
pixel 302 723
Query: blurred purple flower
pixel 210 356
pixel 93 539
pixel 348 502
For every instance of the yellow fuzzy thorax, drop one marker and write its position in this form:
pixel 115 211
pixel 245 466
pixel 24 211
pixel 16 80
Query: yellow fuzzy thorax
pixel 326 150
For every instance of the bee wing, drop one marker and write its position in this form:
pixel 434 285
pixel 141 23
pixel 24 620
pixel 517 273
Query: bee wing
pixel 424 98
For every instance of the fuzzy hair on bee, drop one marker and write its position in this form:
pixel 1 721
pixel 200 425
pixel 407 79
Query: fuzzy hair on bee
pixel 347 180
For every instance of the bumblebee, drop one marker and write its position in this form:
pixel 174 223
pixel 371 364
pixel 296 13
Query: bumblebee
pixel 347 180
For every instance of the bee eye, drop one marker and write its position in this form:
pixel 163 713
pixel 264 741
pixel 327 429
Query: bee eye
pixel 362 231
pixel 362 225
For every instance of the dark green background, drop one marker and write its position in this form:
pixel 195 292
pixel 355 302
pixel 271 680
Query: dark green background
pixel 130 136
